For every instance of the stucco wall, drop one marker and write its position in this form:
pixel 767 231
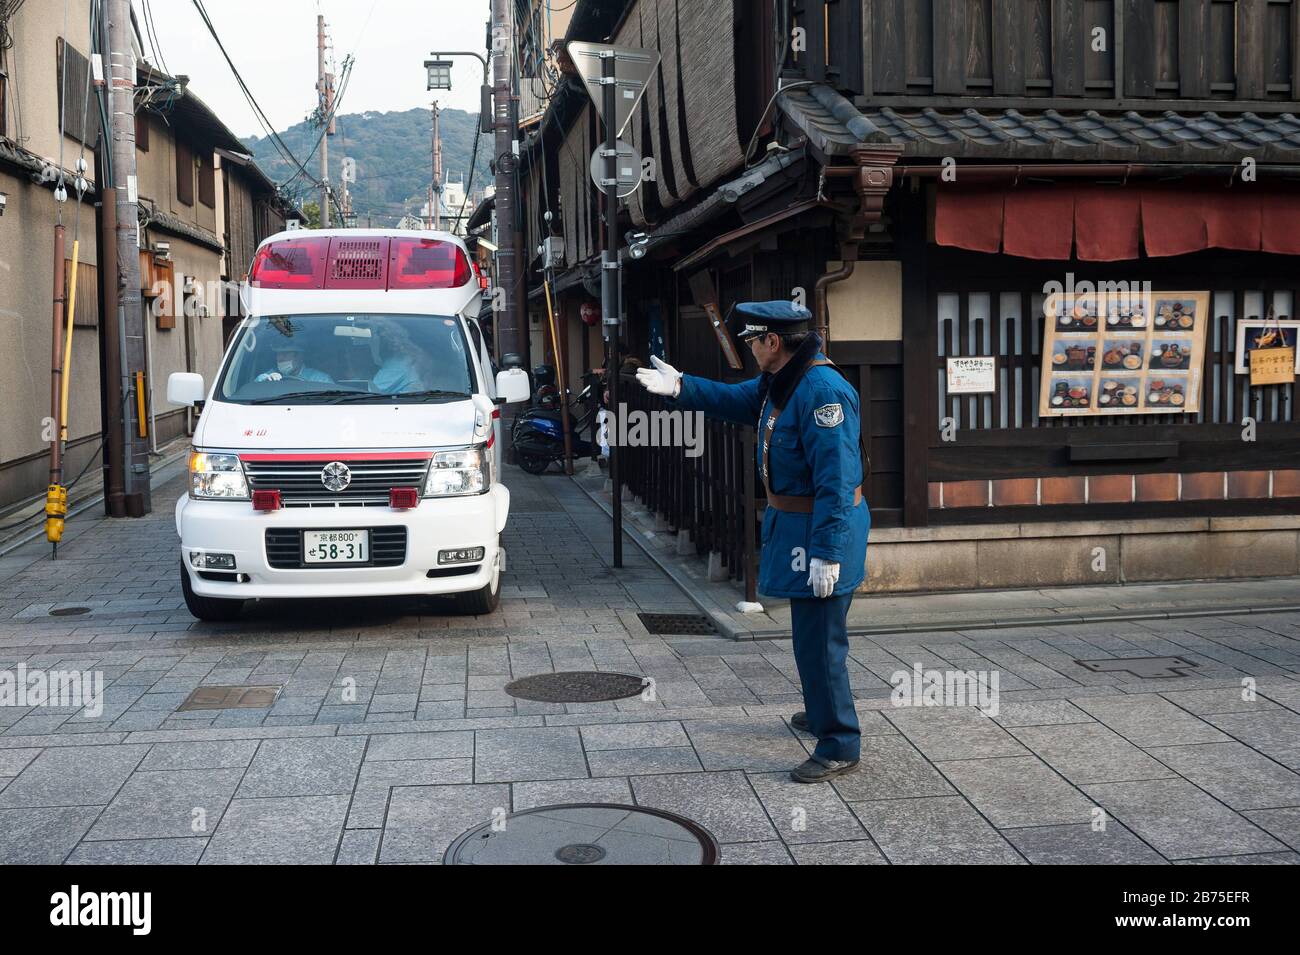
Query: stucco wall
pixel 26 327
pixel 33 68
pixel 203 333
pixel 868 305
pixel 156 175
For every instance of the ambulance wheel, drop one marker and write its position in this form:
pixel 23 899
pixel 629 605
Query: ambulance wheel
pixel 532 463
pixel 484 600
pixel 215 609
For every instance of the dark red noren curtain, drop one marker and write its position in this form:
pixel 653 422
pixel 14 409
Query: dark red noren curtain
pixel 1117 223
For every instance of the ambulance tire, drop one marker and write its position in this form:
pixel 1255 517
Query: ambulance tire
pixel 482 601
pixel 215 609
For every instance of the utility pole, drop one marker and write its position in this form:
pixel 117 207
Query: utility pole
pixel 612 318
pixel 510 324
pixel 131 317
pixel 437 170
pixel 323 88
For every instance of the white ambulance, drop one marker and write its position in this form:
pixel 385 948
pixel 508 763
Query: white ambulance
pixel 351 443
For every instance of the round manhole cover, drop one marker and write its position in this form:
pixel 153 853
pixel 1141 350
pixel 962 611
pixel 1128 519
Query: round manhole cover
pixel 69 611
pixel 586 834
pixel 576 686
pixel 579 854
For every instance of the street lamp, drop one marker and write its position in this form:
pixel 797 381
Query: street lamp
pixel 439 74
pixel 439 71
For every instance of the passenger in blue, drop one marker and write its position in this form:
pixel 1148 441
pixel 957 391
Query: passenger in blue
pixel 816 524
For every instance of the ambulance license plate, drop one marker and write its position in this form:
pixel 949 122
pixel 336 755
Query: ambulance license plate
pixel 335 547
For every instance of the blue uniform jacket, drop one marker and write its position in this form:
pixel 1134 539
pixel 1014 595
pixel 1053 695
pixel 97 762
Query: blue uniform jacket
pixel 812 454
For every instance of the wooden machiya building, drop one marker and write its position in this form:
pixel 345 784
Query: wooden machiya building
pixel 1055 243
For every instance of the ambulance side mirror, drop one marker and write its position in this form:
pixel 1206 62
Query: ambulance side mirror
pixel 185 388
pixel 512 385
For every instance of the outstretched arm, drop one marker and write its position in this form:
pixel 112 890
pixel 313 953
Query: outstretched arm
pixel 738 402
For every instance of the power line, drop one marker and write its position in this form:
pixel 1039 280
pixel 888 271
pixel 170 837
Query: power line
pixel 248 95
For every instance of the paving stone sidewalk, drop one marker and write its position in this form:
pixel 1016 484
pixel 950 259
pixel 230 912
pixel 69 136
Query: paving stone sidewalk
pixel 391 733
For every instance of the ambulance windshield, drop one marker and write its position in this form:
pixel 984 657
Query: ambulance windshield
pixel 336 358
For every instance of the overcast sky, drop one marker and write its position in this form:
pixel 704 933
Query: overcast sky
pixel 273 44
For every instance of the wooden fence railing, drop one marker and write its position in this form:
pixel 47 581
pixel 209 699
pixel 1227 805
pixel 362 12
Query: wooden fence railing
pixel 712 495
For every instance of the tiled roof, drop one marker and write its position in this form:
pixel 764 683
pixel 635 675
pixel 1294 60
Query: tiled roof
pixel 834 125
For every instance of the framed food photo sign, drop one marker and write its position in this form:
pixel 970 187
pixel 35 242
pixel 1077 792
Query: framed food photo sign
pixel 1254 334
pixel 1123 353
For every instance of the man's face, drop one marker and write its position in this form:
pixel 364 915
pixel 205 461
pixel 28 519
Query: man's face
pixel 288 362
pixel 765 349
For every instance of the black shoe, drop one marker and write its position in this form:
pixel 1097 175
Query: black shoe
pixel 818 770
pixel 800 722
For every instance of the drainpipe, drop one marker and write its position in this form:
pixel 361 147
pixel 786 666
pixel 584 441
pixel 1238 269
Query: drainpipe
pixel 873 176
pixel 821 319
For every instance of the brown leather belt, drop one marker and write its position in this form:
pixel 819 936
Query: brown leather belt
pixel 798 504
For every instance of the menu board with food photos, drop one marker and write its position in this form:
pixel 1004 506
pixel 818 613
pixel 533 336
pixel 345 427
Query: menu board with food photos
pixel 1123 353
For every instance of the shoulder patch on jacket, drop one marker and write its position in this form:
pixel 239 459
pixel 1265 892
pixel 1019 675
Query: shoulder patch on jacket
pixel 828 416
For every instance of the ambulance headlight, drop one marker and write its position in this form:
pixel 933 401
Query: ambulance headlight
pixel 460 472
pixel 217 477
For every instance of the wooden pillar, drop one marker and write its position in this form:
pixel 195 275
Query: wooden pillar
pixel 918 359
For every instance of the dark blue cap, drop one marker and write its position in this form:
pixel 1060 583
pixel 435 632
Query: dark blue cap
pixel 759 318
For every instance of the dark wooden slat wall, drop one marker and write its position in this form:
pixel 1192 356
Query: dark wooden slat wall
pixel 1295 48
pixel 1172 49
pixel 1252 69
pixel 1070 36
pixel 888 46
pixel 950 46
pixel 1009 29
pixel 1193 48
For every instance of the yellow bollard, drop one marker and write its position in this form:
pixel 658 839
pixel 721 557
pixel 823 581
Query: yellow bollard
pixel 56 507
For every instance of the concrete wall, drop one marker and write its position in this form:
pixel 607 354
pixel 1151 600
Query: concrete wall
pixel 1004 556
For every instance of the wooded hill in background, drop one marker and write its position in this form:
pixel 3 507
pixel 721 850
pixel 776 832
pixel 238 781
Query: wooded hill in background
pixel 394 157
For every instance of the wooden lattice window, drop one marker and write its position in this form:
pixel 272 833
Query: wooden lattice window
pixel 1015 338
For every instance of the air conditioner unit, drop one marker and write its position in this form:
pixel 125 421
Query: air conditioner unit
pixel 553 252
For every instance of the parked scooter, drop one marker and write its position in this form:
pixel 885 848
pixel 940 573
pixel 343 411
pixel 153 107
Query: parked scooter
pixel 538 434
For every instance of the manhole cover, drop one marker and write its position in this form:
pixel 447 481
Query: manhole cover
pixel 576 686
pixel 586 834
pixel 1144 668
pixel 676 623
pixel 230 698
pixel 580 854
pixel 69 611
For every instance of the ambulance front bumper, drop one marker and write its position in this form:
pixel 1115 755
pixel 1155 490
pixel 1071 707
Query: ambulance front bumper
pixel 403 552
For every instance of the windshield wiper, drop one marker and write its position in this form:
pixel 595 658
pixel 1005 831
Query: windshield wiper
pixel 293 395
pixel 430 393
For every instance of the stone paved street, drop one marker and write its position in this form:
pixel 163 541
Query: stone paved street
pixel 391 733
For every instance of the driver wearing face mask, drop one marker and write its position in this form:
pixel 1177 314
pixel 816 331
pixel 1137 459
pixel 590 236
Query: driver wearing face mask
pixel 289 365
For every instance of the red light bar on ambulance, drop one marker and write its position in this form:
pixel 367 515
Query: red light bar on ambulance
pixel 293 263
pixel 360 262
pixel 427 263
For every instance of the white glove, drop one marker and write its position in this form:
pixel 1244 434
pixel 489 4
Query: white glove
pixel 822 575
pixel 663 379
pixel 269 376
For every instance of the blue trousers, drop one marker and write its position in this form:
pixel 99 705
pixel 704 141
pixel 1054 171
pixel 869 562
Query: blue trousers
pixel 821 649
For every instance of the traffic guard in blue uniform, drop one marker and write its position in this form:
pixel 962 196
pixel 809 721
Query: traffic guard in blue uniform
pixel 816 524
